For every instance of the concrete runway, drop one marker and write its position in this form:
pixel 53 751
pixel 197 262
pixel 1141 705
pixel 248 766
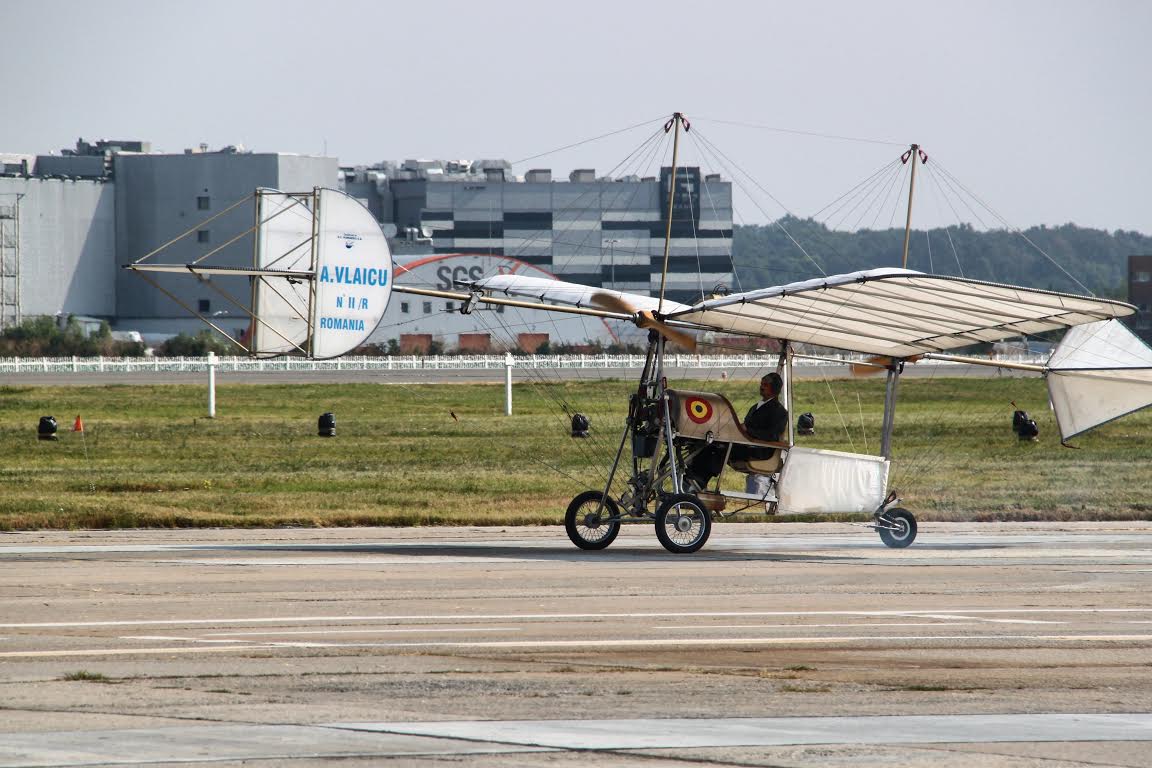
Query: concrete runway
pixel 776 645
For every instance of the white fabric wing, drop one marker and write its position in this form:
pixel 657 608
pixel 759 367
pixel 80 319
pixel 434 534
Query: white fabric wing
pixel 1098 373
pixel 897 312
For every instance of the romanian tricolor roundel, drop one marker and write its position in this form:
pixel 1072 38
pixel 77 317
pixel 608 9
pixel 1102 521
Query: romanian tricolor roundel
pixel 698 409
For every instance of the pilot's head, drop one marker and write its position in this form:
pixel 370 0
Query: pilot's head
pixel 770 385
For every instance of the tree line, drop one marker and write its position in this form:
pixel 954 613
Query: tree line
pixel 765 255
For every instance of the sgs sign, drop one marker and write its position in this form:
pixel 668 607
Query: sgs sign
pixel 450 276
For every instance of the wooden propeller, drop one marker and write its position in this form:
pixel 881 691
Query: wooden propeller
pixel 645 318
pixel 876 364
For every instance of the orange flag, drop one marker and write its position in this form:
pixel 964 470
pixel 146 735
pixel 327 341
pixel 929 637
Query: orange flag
pixel 79 425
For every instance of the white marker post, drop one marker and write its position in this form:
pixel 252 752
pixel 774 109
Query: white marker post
pixel 211 385
pixel 508 363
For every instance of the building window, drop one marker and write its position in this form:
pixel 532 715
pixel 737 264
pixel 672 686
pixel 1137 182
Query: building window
pixel 427 307
pixel 404 307
pixel 203 305
pixel 1142 277
pixel 449 306
pixel 203 236
pixel 203 203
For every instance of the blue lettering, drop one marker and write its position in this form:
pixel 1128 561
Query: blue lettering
pixel 342 324
pixel 354 276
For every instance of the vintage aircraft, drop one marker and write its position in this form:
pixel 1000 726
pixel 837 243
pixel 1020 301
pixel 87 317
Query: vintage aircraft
pixel 1099 372
pixel 321 278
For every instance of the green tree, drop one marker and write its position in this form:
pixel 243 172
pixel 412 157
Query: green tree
pixel 183 345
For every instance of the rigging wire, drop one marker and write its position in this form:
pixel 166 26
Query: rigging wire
pixel 863 201
pixel 1007 225
pixel 546 391
pixel 937 195
pixel 660 120
pixel 866 197
pixel 798 132
pixel 836 405
pixel 899 197
pixel 735 180
pixel 859 184
pixel 642 157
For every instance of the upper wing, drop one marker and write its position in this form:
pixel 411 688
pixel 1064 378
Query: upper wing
pixel 897 312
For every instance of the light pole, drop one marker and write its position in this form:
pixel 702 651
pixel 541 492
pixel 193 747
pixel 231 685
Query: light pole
pixel 612 258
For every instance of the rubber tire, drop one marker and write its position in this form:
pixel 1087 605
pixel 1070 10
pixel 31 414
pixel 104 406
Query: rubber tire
pixel 669 508
pixel 578 509
pixel 897 539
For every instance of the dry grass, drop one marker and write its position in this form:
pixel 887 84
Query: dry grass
pixel 149 459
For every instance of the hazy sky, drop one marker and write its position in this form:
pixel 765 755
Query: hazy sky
pixel 1042 109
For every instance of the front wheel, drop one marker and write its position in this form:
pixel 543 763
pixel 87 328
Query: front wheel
pixel 897 527
pixel 592 520
pixel 683 524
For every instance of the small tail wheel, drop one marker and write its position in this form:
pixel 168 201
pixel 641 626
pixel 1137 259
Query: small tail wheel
pixel 897 527
pixel 592 520
pixel 683 523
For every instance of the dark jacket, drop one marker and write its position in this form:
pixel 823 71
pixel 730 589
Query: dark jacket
pixel 768 422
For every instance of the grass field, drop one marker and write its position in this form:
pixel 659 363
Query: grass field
pixel 149 458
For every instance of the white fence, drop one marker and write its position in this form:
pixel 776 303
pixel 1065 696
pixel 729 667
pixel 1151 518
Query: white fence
pixel 67 365
pixel 64 365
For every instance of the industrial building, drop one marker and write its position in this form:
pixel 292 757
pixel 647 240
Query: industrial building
pixel 587 229
pixel 1140 294
pixel 69 222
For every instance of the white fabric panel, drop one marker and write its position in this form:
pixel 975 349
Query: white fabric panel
pixel 281 305
pixel 353 276
pixel 1099 372
pixel 815 480
pixel 560 292
pixel 898 312
pixel 1107 344
pixel 1086 399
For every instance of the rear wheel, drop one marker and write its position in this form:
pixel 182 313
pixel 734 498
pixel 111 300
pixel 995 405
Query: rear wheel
pixel 592 520
pixel 682 523
pixel 897 527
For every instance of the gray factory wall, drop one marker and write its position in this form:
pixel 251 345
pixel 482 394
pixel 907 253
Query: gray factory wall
pixel 67 245
pixel 158 198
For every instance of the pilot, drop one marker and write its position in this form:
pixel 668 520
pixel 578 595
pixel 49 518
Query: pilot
pixel 766 420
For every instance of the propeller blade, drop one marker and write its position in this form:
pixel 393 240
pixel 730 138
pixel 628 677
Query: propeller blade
pixel 613 303
pixel 644 319
pixel 877 364
pixel 674 335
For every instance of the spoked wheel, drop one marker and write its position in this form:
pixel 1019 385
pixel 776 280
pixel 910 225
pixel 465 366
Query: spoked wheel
pixel 683 524
pixel 592 520
pixel 897 527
